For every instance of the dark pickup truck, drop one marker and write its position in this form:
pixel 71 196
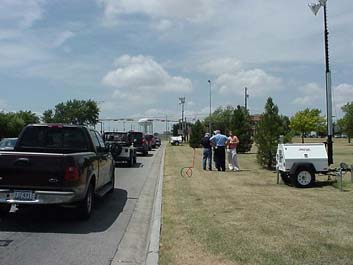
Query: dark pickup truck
pixel 56 164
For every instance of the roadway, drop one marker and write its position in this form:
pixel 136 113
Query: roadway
pixel 116 233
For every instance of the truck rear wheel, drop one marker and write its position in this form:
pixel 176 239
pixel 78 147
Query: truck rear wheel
pixel 176 143
pixel 112 179
pixel 5 208
pixel 131 161
pixel 84 207
pixel 303 177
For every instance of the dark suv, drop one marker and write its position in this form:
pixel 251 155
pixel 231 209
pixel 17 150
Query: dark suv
pixel 139 142
pixel 151 141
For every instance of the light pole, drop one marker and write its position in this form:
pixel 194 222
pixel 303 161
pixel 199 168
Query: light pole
pixel 246 95
pixel 315 7
pixel 182 102
pixel 209 121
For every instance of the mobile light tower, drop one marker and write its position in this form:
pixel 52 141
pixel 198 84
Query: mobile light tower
pixel 209 122
pixel 315 7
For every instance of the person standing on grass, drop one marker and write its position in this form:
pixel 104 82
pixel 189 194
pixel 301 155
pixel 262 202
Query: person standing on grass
pixel 219 141
pixel 233 142
pixel 207 151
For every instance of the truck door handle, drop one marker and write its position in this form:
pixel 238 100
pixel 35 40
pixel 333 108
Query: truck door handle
pixel 23 162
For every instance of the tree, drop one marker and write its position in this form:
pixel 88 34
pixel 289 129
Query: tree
pixel 12 123
pixel 268 131
pixel 347 123
pixel 236 120
pixel 73 112
pixel 307 121
pixel 196 134
pixel 241 127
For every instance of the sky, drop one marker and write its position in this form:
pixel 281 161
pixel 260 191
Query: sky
pixel 137 57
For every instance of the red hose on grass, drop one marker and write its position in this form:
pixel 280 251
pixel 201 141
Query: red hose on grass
pixel 187 171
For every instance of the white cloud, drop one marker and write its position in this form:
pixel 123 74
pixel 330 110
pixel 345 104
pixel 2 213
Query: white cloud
pixel 62 37
pixel 343 94
pixel 221 66
pixel 258 81
pixel 163 25
pixel 13 55
pixel 195 11
pixel 310 94
pixel 142 74
pixel 139 81
pixel 20 14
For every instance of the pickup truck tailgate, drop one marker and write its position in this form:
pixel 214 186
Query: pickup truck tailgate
pixel 31 170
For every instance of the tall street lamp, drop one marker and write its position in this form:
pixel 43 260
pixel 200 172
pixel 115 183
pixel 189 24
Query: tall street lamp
pixel 315 7
pixel 209 121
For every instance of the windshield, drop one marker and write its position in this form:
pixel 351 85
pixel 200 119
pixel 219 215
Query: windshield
pixel 8 142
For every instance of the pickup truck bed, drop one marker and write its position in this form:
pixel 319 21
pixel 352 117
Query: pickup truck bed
pixel 55 164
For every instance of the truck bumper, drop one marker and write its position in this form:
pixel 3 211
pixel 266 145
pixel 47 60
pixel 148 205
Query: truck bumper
pixel 38 197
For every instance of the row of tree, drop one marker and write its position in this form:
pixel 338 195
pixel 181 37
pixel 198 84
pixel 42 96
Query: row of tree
pixel 270 128
pixel 71 112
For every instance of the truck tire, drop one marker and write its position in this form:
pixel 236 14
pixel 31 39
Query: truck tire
pixel 4 208
pixel 303 177
pixel 131 161
pixel 84 207
pixel 112 179
pixel 176 143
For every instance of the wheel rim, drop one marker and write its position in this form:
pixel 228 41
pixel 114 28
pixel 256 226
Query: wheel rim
pixel 89 201
pixel 304 178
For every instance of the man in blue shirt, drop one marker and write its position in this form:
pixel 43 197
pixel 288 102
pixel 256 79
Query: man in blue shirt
pixel 207 151
pixel 219 141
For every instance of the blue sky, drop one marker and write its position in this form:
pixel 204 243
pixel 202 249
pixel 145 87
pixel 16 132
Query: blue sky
pixel 137 57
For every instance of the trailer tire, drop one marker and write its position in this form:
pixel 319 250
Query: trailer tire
pixel 303 178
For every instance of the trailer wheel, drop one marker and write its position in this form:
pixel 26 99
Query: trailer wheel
pixel 303 177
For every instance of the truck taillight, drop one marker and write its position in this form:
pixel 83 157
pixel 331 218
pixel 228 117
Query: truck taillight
pixel 72 174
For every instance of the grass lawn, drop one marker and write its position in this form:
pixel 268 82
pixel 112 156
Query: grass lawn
pixel 246 218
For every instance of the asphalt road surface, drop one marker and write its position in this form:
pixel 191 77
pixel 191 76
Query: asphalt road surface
pixel 116 233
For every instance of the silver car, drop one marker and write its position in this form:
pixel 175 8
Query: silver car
pixel 8 143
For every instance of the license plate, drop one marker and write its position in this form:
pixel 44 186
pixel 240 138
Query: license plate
pixel 23 195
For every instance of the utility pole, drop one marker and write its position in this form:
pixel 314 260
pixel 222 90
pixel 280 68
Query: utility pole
pixel 182 102
pixel 246 98
pixel 209 122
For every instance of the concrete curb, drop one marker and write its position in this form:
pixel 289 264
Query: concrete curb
pixel 152 257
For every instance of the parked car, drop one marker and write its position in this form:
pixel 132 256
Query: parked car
pixel 176 140
pixel 158 142
pixel 7 143
pixel 56 164
pixel 150 141
pixel 121 146
pixel 139 142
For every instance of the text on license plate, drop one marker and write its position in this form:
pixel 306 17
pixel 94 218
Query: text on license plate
pixel 24 195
